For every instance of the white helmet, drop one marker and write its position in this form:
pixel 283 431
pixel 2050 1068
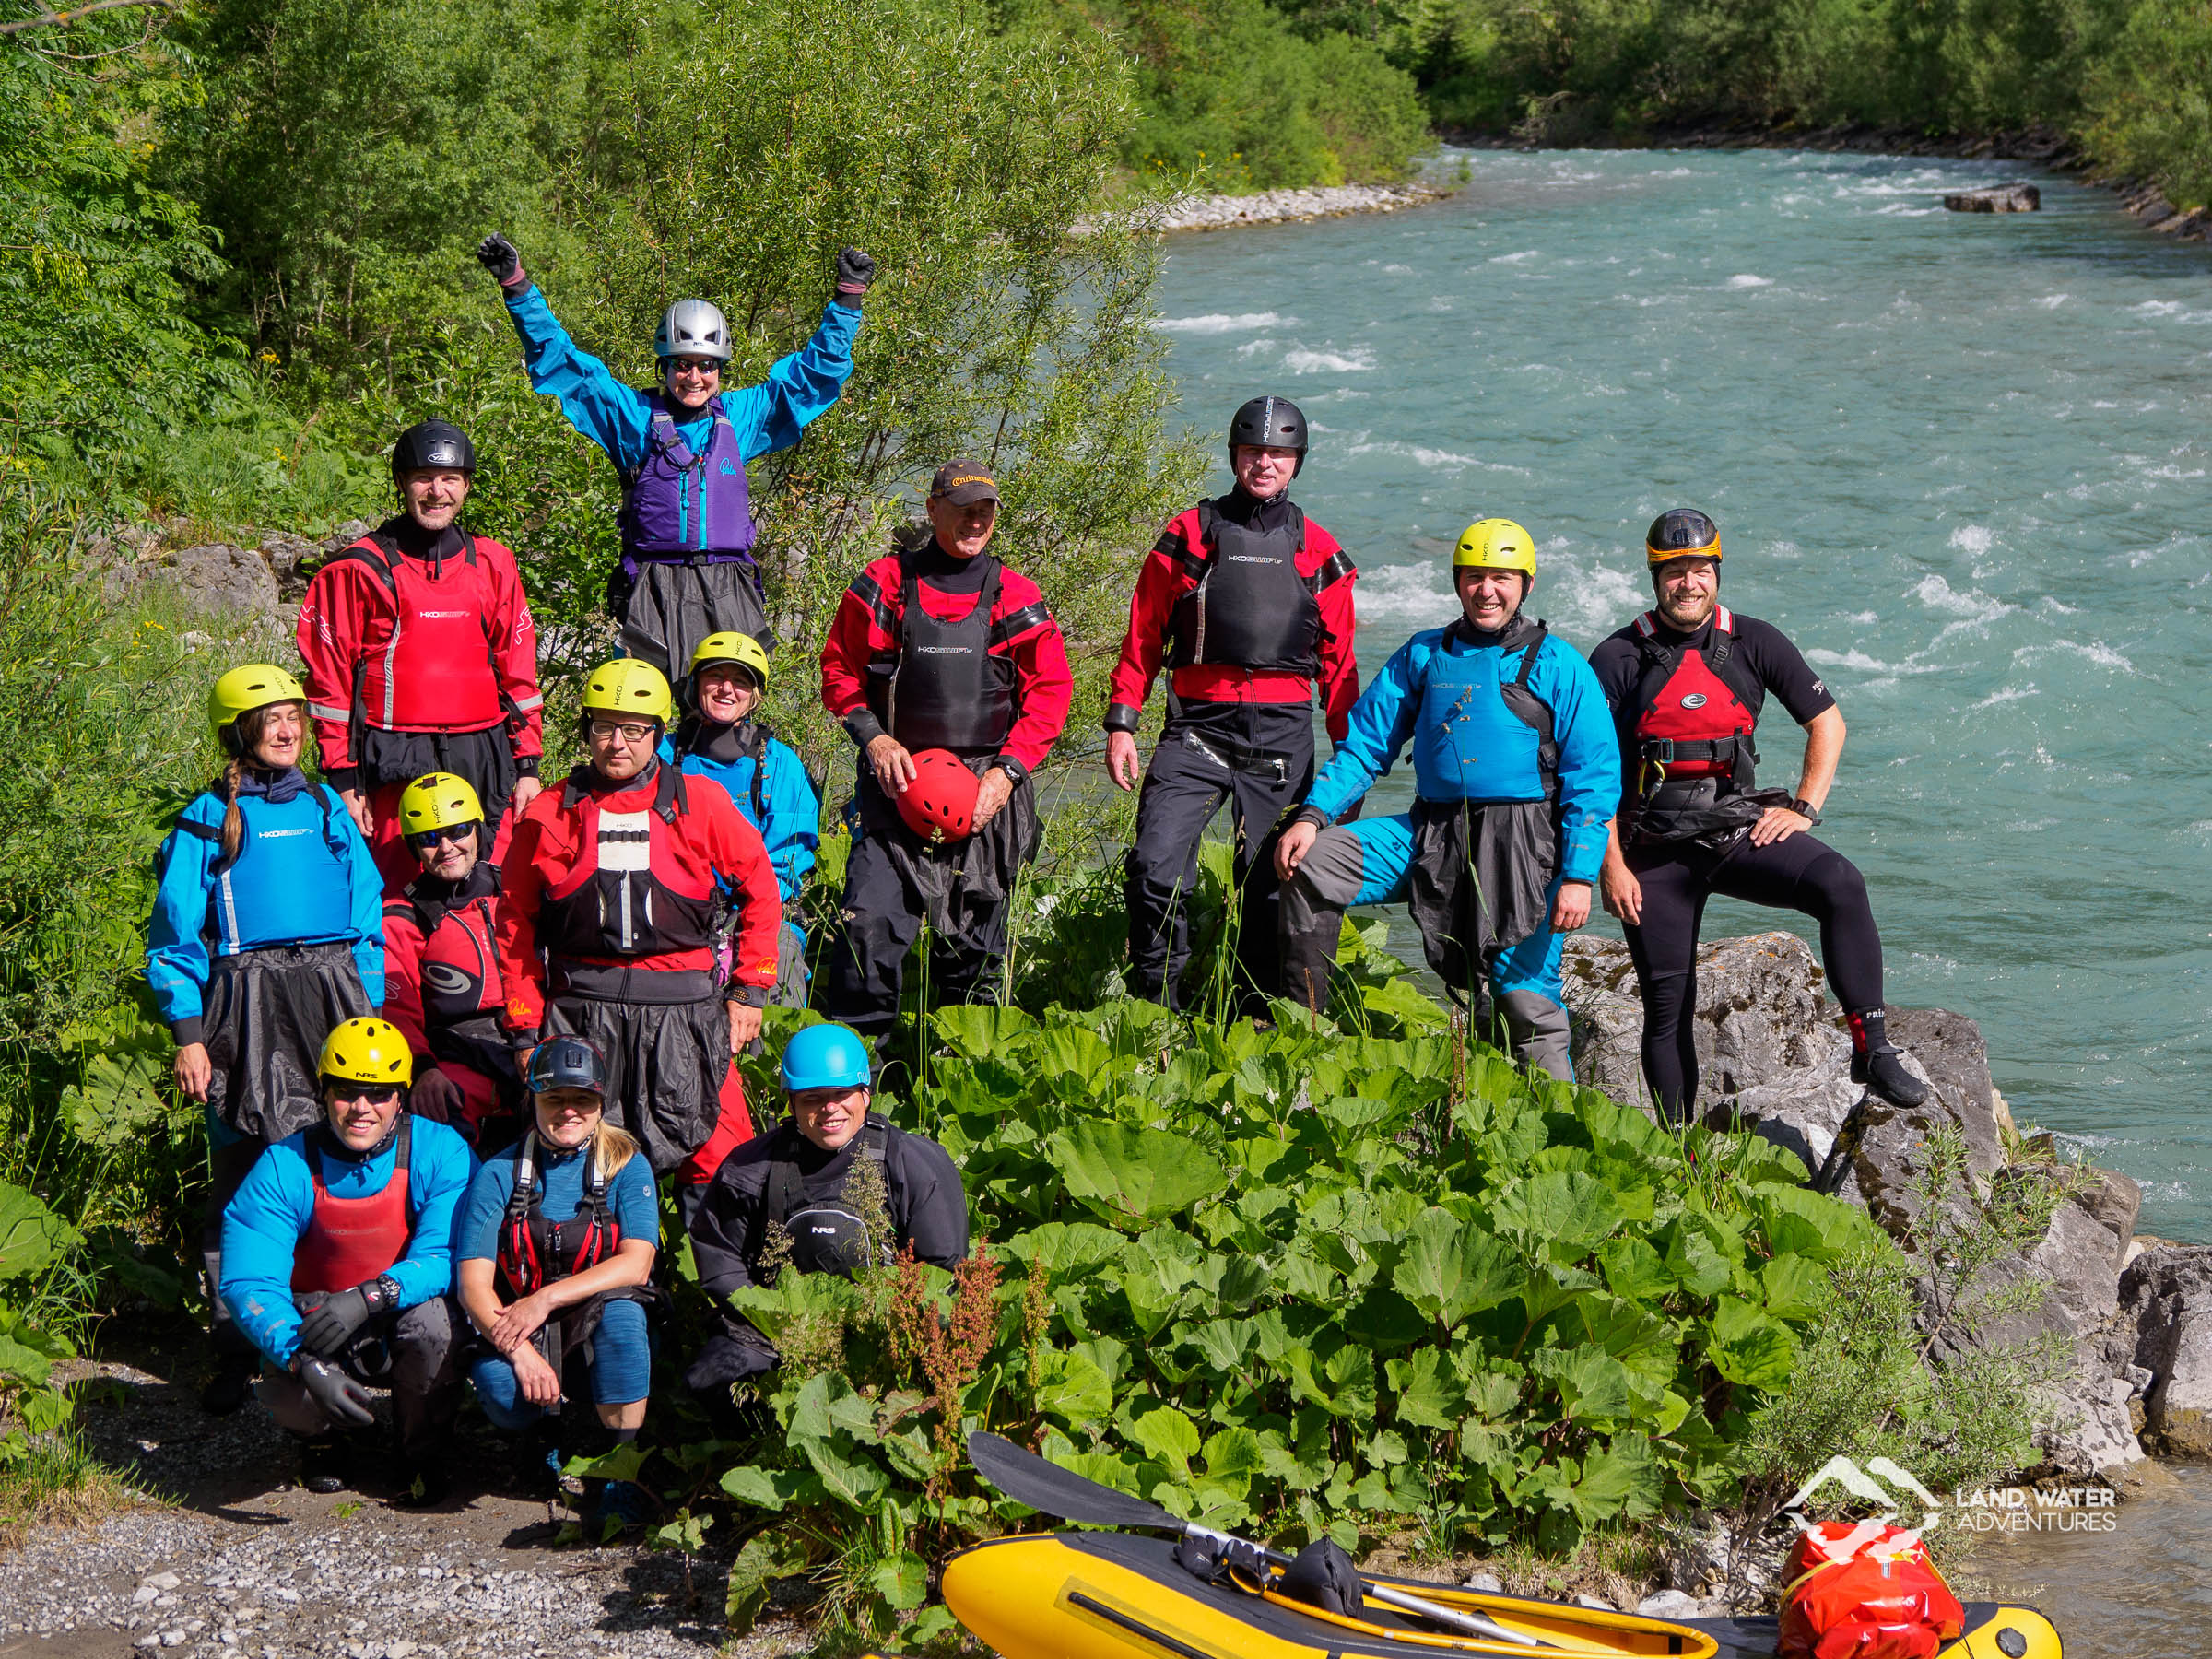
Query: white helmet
pixel 693 328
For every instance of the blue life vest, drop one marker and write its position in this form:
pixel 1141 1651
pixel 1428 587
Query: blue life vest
pixel 291 882
pixel 1478 737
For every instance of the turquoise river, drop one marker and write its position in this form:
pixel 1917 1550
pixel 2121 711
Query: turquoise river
pixel 1961 458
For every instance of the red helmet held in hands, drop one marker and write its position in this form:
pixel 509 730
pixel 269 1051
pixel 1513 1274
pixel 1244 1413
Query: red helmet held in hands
pixel 939 804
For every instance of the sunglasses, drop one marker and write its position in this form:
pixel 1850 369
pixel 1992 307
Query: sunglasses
pixel 701 366
pixel 376 1094
pixel 423 840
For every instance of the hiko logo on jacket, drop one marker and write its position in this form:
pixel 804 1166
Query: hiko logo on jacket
pixel 278 834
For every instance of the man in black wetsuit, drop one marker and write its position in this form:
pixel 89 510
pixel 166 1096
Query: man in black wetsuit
pixel 1685 682
pixel 837 1183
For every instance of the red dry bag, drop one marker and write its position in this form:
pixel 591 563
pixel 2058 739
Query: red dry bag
pixel 939 804
pixel 1865 1591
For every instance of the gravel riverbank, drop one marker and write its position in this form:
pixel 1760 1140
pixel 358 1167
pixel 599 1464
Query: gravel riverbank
pixel 227 1557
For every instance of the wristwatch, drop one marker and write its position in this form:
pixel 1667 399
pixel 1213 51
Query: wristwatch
pixel 1806 810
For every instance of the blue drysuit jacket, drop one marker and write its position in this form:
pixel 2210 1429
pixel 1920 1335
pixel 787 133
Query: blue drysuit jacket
pixel 789 815
pixel 303 877
pixel 1394 711
pixel 263 1223
pixel 617 417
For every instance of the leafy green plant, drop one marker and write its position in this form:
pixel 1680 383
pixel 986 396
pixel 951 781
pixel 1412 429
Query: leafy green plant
pixel 1292 1280
pixel 31 1236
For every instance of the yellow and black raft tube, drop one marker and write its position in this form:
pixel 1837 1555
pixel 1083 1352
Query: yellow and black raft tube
pixel 1116 1596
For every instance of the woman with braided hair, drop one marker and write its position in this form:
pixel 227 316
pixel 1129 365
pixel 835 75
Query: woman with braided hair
pixel 267 932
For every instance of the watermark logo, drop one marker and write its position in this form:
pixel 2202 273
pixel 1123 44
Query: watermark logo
pixel 1968 1508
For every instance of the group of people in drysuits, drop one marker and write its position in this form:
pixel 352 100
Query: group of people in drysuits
pixel 454 1022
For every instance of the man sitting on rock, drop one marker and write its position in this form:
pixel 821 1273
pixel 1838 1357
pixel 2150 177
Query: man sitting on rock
pixel 1686 681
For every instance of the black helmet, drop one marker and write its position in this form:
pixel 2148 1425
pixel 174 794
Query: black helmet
pixel 1269 423
pixel 1679 531
pixel 437 445
pixel 566 1061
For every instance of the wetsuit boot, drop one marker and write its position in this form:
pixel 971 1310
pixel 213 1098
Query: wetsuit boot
pixel 325 1463
pixel 1309 957
pixel 1876 1063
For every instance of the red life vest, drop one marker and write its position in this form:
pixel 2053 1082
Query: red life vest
pixel 1694 718
pixel 349 1240
pixel 460 962
pixel 628 895
pixel 534 1249
pixel 432 664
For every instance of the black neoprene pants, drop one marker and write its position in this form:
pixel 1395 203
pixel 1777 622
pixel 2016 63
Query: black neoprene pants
pixel 1800 874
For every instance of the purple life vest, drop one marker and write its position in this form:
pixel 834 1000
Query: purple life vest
pixel 680 505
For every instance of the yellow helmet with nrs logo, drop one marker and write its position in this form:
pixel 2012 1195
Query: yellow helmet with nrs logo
pixel 1496 543
pixel 367 1050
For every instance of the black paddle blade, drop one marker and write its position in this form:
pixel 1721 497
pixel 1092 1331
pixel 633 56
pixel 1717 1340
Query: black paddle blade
pixel 1029 1478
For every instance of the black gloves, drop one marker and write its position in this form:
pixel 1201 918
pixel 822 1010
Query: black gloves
pixel 726 1359
pixel 327 1328
pixel 434 1096
pixel 342 1401
pixel 497 254
pixel 855 270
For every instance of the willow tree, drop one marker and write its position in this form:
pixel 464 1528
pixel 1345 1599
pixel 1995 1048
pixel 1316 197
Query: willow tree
pixel 740 145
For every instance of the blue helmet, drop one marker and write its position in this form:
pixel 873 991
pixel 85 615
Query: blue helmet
pixel 563 1061
pixel 825 1056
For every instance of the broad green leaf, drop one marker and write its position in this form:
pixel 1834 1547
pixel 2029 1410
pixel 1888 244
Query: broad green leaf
pixel 1806 1224
pixel 1074 1389
pixel 771 1490
pixel 760 1564
pixel 1133 1177
pixel 1625 1479
pixel 1633 1270
pixel 1222 1344
pixel 850 1478
pixel 1233 1454
pixel 1066 1247
pixel 1794 1287
pixel 1386 1321
pixel 1428 1395
pixel 1695 1256
pixel 902 1580
pixel 1449 1270
pixel 980 1030
pixel 1563 1214
pixel 1750 1347
pixel 1593 1386
pixel 1168 1436
pixel 31 1234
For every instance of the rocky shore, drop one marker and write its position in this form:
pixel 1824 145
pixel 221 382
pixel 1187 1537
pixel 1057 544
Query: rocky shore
pixel 1284 207
pixel 2136 1310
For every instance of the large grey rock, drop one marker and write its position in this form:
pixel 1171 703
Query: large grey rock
pixel 216 580
pixel 2168 1294
pixel 2001 198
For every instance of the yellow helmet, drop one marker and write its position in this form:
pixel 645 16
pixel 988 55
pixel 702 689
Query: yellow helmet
pixel 739 648
pixel 628 685
pixel 367 1051
pixel 244 689
pixel 1496 543
pixel 438 801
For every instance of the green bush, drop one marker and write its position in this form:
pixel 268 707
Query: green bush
pixel 1290 1280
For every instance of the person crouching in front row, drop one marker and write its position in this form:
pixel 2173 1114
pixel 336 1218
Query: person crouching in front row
pixel 337 1255
pixel 555 1249
pixel 802 1184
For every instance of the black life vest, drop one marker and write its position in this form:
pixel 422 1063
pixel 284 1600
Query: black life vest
pixel 628 895
pixel 826 1236
pixel 1251 608
pixel 1696 711
pixel 460 957
pixel 534 1249
pixel 945 688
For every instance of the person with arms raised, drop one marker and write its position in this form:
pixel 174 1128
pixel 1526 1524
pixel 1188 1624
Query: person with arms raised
pixel 721 740
pixel 441 971
pixel 612 900
pixel 1685 682
pixel 835 1182
pixel 1515 778
pixel 337 1258
pixel 938 647
pixel 686 569
pixel 265 934
pixel 1248 603
pixel 556 1246
pixel 421 655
